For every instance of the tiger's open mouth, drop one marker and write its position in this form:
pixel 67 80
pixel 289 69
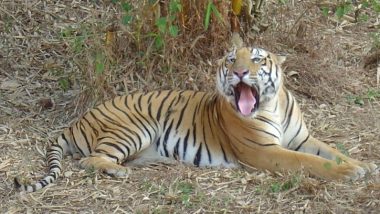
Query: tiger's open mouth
pixel 246 98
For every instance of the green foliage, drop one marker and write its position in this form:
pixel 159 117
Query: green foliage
pixel 375 37
pixel 64 83
pixel 343 9
pixel 127 16
pixel 166 24
pixel 283 2
pixel 325 11
pixel 286 185
pixel 185 189
pixel 338 160
pixel 75 37
pixel 211 9
pixel 99 63
pixel 342 149
pixel 371 95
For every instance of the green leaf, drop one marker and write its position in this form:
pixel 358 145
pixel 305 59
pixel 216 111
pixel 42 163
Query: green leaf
pixel 338 160
pixel 208 15
pixel 359 101
pixel 99 63
pixel 126 19
pixel 173 30
pixel 216 12
pixel 339 12
pixel 365 4
pixel 161 24
pixel 342 149
pixel 126 6
pixel 64 84
pixel 275 187
pixel 174 6
pixel 375 5
pixel 363 18
pixel 158 42
pixel 325 11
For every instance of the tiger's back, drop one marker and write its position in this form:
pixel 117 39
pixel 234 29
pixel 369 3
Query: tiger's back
pixel 175 124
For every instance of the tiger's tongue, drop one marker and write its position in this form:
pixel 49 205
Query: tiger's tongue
pixel 247 100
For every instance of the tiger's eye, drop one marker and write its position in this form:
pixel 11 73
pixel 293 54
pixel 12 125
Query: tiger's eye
pixel 256 60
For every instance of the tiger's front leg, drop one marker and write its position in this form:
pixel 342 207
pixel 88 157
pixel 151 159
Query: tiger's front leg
pixel 277 158
pixel 319 148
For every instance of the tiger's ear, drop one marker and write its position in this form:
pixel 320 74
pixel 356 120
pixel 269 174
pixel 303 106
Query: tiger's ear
pixel 280 58
pixel 236 40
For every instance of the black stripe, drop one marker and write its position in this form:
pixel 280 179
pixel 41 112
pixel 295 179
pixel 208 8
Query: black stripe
pixel 181 114
pixel 175 152
pixel 266 132
pixel 260 144
pixel 117 135
pixel 208 153
pixel 201 104
pixel 194 94
pixel 166 136
pixel 43 183
pixel 149 122
pixel 139 102
pixel 75 142
pixel 158 143
pixel 198 156
pixel 162 104
pixel 129 117
pixel 64 139
pixel 101 151
pixel 185 141
pixel 269 122
pixel 113 145
pixel 91 126
pixel 194 135
pixel 110 120
pixel 54 166
pixel 158 94
pixel 318 152
pixel 224 154
pixel 85 137
pixel 167 114
pixel 299 146
pixel 150 105
pixel 287 106
pixel 289 117
pixel 179 97
pixel 145 127
pixel 298 131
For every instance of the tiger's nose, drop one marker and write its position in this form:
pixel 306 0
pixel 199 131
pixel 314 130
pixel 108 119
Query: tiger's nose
pixel 241 73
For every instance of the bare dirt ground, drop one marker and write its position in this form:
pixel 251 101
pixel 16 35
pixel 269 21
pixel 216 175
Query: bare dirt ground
pixel 53 67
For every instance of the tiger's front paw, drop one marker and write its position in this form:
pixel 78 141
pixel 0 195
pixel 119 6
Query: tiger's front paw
pixel 370 168
pixel 348 171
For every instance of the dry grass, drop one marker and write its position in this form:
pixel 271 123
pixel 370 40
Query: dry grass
pixel 48 56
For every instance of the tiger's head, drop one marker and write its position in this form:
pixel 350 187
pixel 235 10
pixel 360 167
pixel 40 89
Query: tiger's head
pixel 249 77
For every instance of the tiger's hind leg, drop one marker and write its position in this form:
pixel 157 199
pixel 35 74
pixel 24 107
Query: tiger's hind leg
pixel 105 164
pixel 112 150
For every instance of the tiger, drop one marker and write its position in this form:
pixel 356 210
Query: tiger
pixel 250 119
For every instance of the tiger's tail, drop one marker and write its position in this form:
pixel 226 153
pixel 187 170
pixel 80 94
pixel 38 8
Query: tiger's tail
pixel 54 157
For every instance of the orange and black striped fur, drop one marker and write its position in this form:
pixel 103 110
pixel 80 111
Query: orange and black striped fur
pixel 250 119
